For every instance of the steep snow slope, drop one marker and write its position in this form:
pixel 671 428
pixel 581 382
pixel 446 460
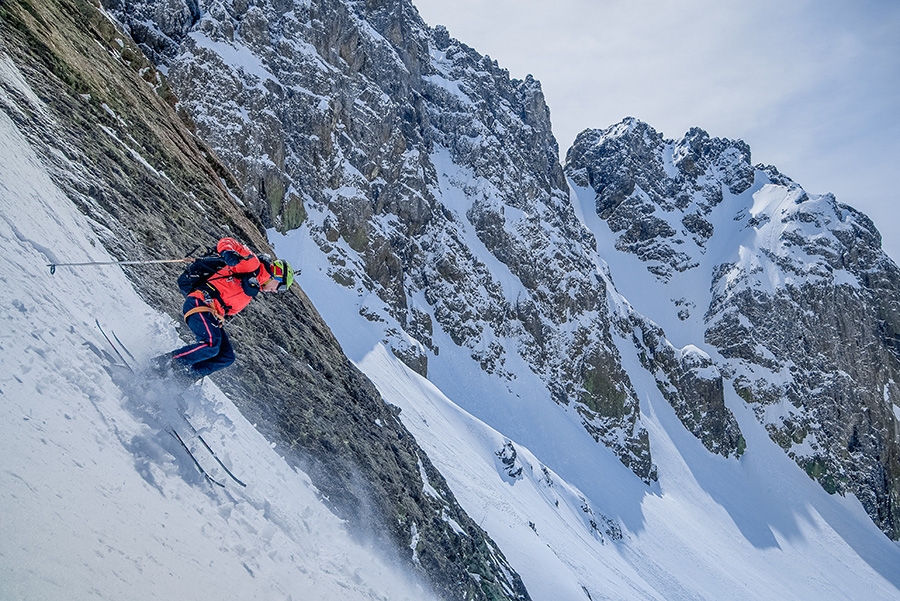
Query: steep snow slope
pixel 98 501
pixel 676 526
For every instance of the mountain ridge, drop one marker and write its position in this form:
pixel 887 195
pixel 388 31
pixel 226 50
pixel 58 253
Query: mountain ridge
pixel 794 265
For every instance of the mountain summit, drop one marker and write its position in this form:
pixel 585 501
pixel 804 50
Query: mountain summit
pixel 789 293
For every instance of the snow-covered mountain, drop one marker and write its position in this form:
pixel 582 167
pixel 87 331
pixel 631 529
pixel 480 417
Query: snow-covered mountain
pixel 529 334
pixel 427 176
pixel 789 293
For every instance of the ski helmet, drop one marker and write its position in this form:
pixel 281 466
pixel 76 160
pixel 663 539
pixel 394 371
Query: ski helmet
pixel 281 271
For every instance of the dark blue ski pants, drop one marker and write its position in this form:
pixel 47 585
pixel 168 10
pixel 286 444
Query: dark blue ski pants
pixel 213 350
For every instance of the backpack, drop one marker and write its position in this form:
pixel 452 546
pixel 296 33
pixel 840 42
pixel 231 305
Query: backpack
pixel 196 275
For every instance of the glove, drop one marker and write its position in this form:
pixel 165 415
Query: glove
pixel 231 257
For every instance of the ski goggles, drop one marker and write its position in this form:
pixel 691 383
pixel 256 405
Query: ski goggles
pixel 280 274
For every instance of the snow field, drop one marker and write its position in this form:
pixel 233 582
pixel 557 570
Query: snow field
pixel 712 528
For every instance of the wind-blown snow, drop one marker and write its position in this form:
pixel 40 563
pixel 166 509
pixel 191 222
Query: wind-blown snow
pixel 98 500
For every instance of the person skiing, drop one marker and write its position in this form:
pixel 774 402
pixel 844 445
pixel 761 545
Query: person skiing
pixel 216 287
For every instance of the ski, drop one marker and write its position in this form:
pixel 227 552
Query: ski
pixel 105 356
pixel 199 467
pixel 122 362
pixel 124 348
pixel 114 347
pixel 211 452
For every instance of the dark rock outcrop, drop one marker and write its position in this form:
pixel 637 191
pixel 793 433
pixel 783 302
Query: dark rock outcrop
pixel 392 142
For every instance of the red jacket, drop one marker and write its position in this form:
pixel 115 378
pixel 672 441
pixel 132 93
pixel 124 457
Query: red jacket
pixel 230 281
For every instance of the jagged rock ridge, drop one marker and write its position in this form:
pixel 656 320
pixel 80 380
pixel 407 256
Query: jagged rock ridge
pixel 393 143
pixel 798 303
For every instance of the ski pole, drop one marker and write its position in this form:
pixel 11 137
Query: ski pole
pixel 53 266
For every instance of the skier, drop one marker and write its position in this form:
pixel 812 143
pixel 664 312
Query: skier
pixel 217 287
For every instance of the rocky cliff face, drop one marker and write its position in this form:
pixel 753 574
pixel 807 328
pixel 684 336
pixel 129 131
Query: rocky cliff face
pixel 408 155
pixel 106 127
pixel 790 293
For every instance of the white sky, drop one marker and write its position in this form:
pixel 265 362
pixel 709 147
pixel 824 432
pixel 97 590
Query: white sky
pixel 813 86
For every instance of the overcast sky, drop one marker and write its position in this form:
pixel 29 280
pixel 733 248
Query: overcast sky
pixel 813 86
